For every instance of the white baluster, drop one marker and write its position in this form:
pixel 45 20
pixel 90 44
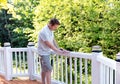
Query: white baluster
pixel 80 70
pixel 62 68
pixel 36 63
pixel 53 72
pixel 104 75
pixel 20 62
pixel 24 63
pixel 111 76
pixel 70 70
pixel 107 76
pixel 16 60
pixel 66 70
pixel 3 61
pixel 35 67
pixel 57 70
pixel 39 64
pixel 75 65
pixel 101 73
pixel 86 73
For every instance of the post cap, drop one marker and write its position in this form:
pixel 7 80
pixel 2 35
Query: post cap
pixel 31 44
pixel 6 44
pixel 118 57
pixel 118 54
pixel 97 49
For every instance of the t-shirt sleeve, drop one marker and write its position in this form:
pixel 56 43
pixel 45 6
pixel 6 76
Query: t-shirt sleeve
pixel 44 36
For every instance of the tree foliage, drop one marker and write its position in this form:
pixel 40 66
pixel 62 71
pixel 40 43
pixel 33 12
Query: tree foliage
pixel 21 23
pixel 3 3
pixel 84 23
pixel 4 31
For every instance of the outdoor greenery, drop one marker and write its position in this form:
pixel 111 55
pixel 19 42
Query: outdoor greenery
pixel 84 23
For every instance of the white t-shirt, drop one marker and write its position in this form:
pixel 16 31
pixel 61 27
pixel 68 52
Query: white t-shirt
pixel 45 35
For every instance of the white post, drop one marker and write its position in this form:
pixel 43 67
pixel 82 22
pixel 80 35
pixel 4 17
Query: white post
pixel 96 51
pixel 118 69
pixel 8 61
pixel 30 58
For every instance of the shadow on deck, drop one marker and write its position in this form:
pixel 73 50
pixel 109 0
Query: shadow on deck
pixel 18 81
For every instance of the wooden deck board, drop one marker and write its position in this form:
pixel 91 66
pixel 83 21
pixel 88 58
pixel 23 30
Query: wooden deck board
pixel 17 81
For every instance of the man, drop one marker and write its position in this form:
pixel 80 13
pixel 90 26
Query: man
pixel 46 45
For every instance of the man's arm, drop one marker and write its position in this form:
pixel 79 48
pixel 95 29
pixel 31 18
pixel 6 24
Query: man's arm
pixel 55 49
pixel 52 46
pixel 55 43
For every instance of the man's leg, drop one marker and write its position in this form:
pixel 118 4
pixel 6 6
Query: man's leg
pixel 48 77
pixel 47 69
pixel 43 75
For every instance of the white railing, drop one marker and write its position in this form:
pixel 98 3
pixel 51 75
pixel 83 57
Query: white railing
pixel 13 62
pixel 19 62
pixel 72 68
pixel 107 70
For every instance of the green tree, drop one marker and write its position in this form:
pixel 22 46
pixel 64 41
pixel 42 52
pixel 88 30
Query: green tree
pixel 84 23
pixel 4 31
pixel 21 22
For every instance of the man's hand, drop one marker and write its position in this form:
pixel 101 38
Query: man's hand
pixel 64 51
pixel 57 50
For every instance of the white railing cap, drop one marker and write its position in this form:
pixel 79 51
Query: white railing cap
pixel 96 48
pixel 118 57
pixel 31 44
pixel 118 54
pixel 7 44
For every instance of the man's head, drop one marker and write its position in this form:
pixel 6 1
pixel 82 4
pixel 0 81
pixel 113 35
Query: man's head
pixel 53 24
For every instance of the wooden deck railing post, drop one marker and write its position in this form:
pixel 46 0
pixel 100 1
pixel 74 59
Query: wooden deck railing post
pixel 118 69
pixel 30 58
pixel 96 51
pixel 8 61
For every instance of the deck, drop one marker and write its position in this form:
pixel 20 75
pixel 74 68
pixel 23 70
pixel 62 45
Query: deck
pixel 18 81
pixel 71 68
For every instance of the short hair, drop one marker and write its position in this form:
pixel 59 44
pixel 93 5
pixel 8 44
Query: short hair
pixel 54 21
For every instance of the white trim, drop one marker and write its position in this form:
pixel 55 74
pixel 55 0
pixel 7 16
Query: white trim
pixel 107 61
pixel 20 75
pixel 2 73
pixel 1 49
pixel 71 54
pixel 18 49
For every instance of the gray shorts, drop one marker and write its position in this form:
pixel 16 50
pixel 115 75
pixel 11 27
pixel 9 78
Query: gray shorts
pixel 45 63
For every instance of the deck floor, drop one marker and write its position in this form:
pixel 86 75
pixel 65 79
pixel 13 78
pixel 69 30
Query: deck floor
pixel 17 81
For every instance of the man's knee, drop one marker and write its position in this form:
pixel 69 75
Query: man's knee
pixel 48 72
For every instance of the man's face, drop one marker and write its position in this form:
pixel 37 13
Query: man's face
pixel 54 27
